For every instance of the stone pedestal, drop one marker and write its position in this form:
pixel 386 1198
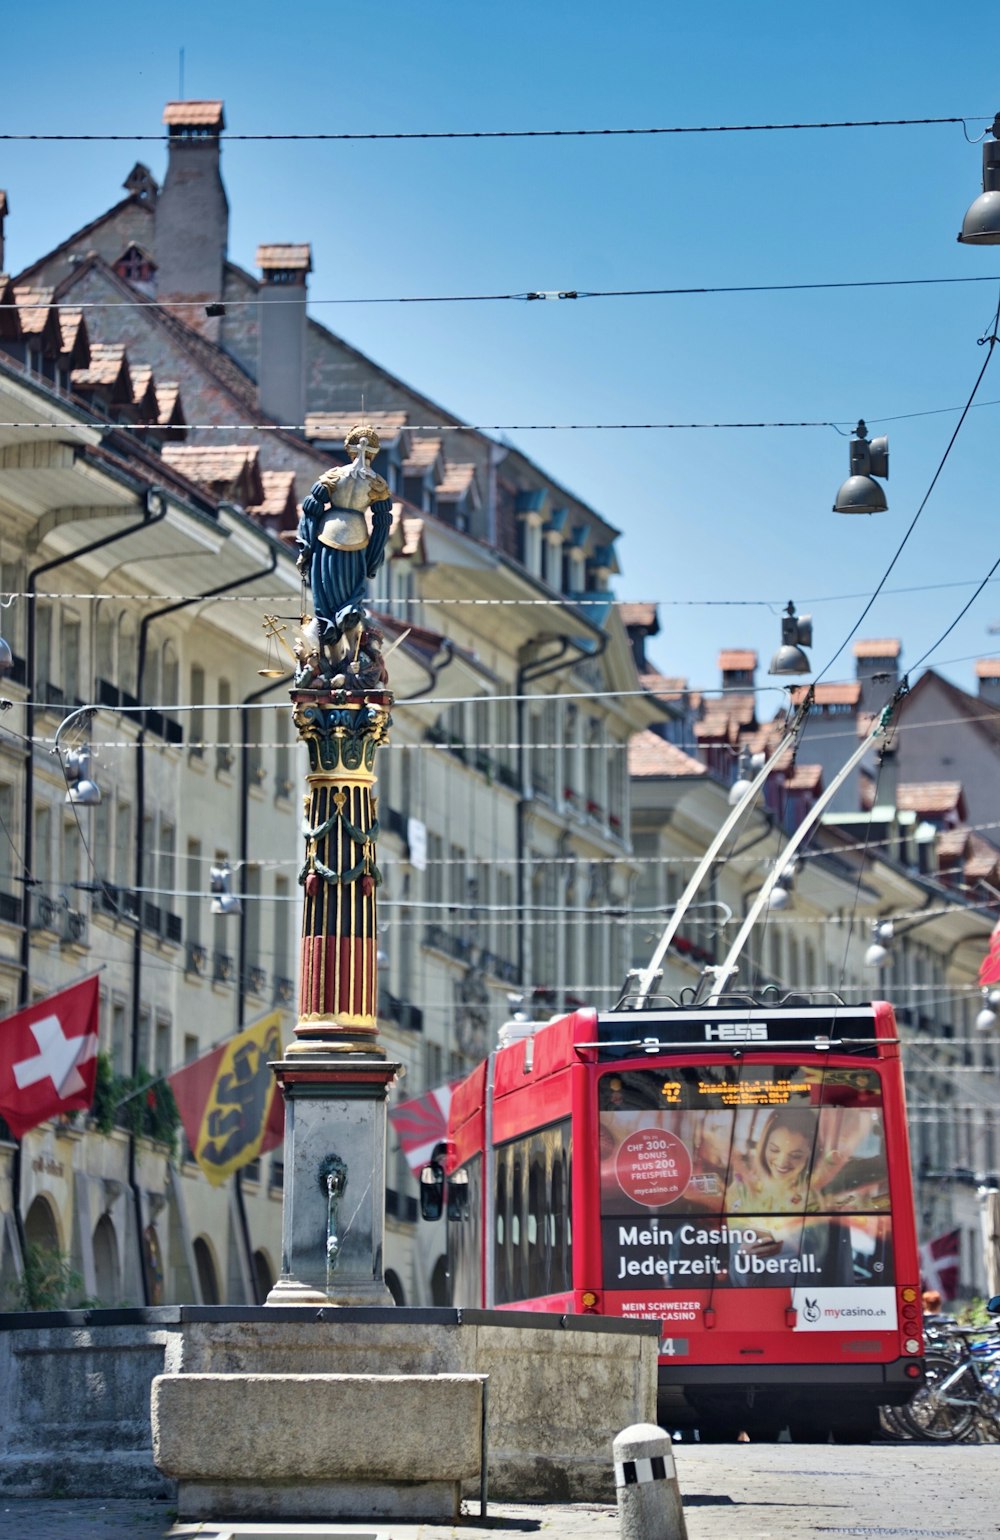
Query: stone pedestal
pixel 333 1211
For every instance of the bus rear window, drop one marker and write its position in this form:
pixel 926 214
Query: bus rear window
pixel 744 1174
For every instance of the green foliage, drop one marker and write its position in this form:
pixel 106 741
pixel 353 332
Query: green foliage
pixel 974 1313
pixel 48 1281
pixel 141 1103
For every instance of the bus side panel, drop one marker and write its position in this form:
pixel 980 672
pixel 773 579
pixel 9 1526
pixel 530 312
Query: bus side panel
pixel 586 1185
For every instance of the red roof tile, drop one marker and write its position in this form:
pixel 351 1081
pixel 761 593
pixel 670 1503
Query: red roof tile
pixel 455 481
pixel 988 668
pixel 651 755
pixel 279 495
pixel 33 308
pixel 423 452
pixel 194 115
pixel 829 694
pixel 638 614
pixel 884 648
pixel 805 778
pixel 107 366
pixel 285 257
pixel 336 425
pixel 737 658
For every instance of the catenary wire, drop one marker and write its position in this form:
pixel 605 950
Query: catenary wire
pixel 990 341
pixel 526 295
pixel 511 133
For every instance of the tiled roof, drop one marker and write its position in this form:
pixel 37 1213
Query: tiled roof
pixel 667 687
pixel 639 615
pixel 70 322
pixel 335 425
pixel 423 452
pixel 285 257
pixel 194 115
pixel 455 481
pixel 988 668
pixel 846 694
pixel 32 305
pixel 651 755
pixel 805 778
pixel 983 859
pixel 168 400
pixel 225 469
pixel 737 657
pixel 952 843
pixel 279 495
pixel 885 648
pixel 107 360
pixel 922 797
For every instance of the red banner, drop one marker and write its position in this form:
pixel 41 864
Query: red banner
pixel 48 1057
pixel 421 1123
pixel 229 1103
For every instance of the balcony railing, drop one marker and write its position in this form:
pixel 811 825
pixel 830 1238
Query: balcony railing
pixel 284 990
pixel 223 968
pixel 120 903
pixel 256 980
pixel 409 1017
pixel 195 959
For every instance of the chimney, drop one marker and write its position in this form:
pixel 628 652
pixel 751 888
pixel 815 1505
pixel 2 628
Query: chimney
pixel 192 214
pixel 987 670
pixel 281 367
pixel 4 209
pixel 877 671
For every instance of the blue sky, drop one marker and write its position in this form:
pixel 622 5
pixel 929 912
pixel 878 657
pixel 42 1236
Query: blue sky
pixel 721 528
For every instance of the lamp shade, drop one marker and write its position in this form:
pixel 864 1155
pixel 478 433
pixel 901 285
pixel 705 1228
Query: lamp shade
pixel 860 494
pixel 790 660
pixel 981 225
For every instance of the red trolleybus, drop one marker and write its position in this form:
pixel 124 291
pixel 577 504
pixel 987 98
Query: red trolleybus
pixel 739 1172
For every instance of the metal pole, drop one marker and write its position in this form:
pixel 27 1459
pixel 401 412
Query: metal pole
pixel 648 976
pixel 725 969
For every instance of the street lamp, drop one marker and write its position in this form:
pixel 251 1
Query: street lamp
pixel 981 225
pixel 796 633
pixel 748 766
pixel 224 901
pixel 859 493
pixel 880 951
pixel 987 1018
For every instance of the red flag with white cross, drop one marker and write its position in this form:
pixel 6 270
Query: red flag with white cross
pixel 48 1057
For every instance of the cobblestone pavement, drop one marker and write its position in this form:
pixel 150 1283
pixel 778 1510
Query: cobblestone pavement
pixel 730 1492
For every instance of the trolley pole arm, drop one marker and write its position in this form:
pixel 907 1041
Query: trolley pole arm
pixel 648 976
pixel 723 971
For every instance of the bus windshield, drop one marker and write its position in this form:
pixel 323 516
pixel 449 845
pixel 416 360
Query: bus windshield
pixel 743 1175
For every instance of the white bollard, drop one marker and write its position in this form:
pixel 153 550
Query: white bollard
pixel 649 1499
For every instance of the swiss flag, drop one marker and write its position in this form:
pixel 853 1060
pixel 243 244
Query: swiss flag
pixel 939 1264
pixel 48 1057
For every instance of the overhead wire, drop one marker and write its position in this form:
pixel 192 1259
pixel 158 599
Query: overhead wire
pixel 521 296
pixel 347 136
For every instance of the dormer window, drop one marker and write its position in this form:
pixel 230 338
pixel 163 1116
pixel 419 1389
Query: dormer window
pixel 135 265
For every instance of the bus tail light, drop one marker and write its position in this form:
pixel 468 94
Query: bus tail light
pixel 591 1303
pixel 913 1370
pixel 910 1319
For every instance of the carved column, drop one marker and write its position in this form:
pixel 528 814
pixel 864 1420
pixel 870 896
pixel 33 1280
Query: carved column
pixel 338 989
pixel 334 1077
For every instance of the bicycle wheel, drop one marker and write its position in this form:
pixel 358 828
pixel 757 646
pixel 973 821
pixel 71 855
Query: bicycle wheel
pixel 930 1416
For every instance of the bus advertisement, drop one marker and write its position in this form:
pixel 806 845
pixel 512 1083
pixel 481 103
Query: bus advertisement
pixel 739 1173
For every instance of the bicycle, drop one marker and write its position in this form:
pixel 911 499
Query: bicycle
pixel 961 1387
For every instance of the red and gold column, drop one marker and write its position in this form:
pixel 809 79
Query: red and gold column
pixel 338 988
